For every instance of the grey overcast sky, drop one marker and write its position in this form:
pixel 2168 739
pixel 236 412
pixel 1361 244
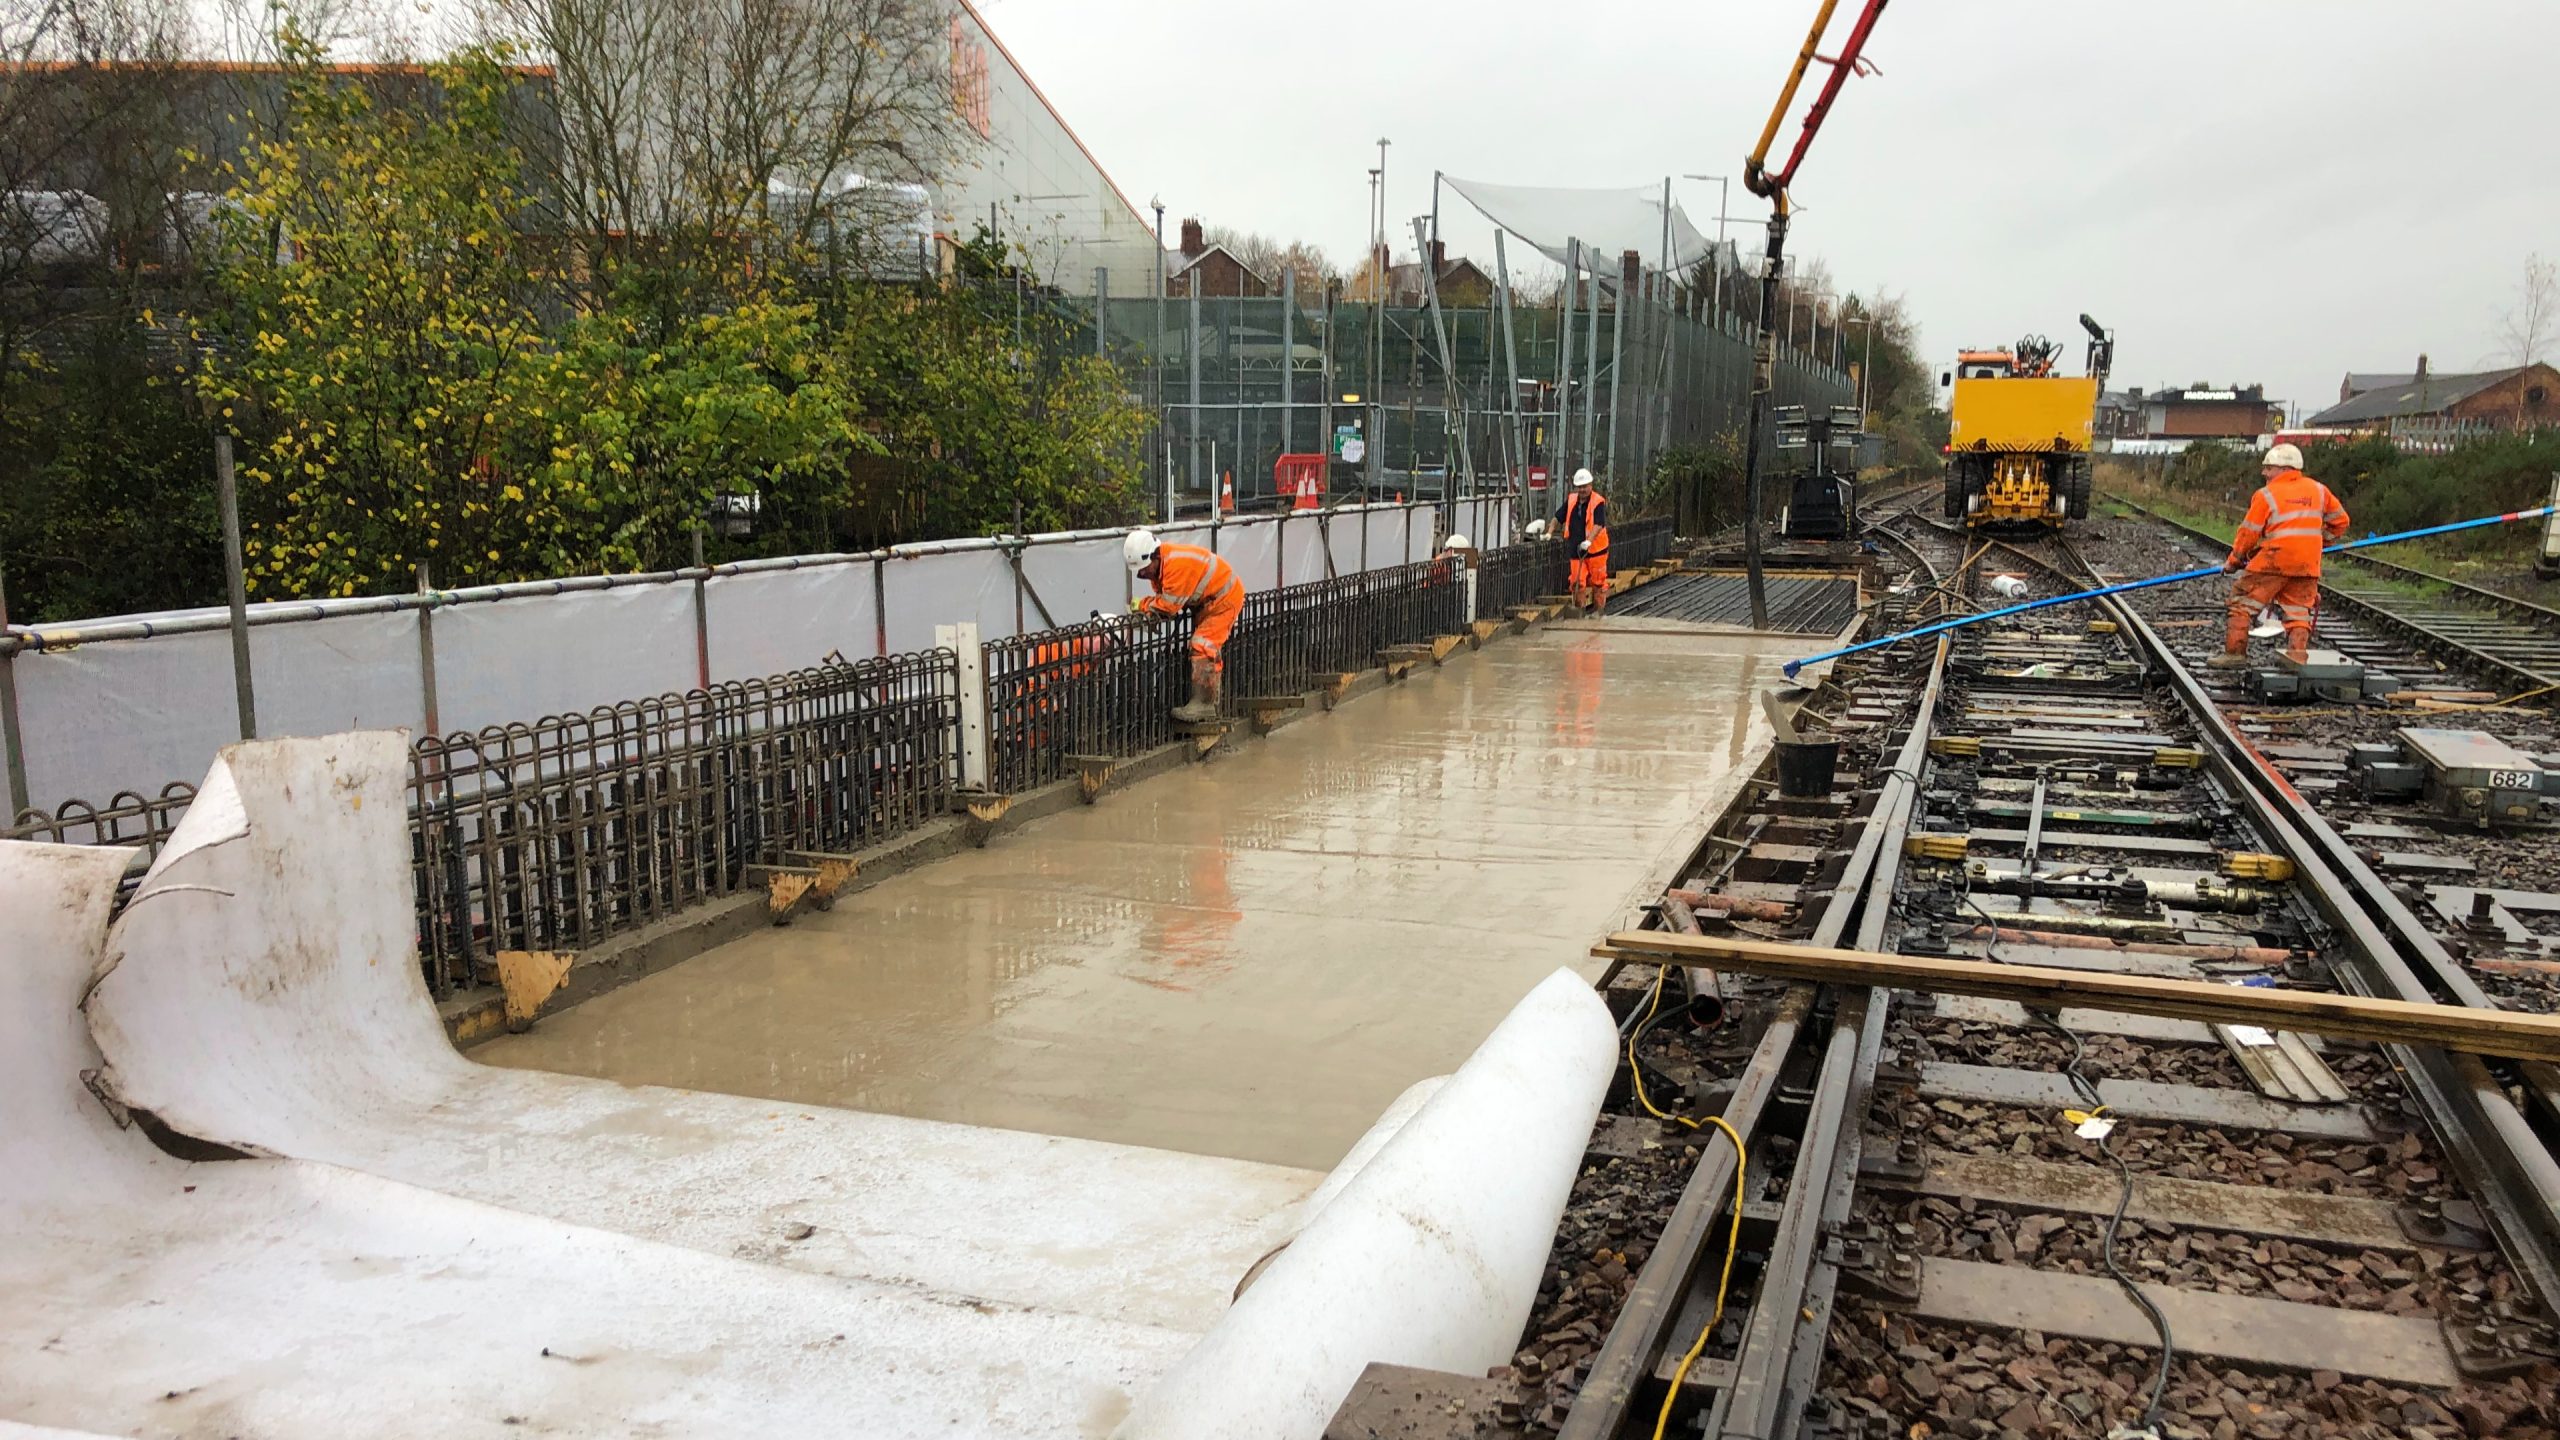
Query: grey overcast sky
pixel 2249 191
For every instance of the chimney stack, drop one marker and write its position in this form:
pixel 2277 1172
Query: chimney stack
pixel 1193 245
pixel 2422 369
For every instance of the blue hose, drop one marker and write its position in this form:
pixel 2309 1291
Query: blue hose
pixel 1793 666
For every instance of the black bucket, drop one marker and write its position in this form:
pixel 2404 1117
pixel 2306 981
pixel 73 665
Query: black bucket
pixel 1805 767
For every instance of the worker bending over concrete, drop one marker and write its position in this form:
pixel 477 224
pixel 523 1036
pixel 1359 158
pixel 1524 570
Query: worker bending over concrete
pixel 1189 579
pixel 1584 524
pixel 2290 519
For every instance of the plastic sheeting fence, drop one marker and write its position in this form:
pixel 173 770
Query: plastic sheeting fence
pixel 112 713
pixel 558 833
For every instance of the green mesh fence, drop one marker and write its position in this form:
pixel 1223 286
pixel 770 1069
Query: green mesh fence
pixel 1240 382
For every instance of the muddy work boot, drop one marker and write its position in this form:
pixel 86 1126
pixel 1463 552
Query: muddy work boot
pixel 1203 705
pixel 2229 660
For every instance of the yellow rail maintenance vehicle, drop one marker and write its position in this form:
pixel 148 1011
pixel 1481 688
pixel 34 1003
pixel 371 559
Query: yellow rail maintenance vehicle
pixel 2018 435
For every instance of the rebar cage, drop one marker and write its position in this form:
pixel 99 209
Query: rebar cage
pixel 558 834
pixel 1104 687
pixel 1518 575
pixel 1639 542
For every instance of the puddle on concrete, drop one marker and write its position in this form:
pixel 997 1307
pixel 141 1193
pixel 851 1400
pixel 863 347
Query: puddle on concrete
pixel 1247 958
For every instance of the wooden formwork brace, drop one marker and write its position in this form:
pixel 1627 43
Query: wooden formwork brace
pixel 835 871
pixel 530 978
pixel 1267 710
pixel 985 809
pixel 1094 774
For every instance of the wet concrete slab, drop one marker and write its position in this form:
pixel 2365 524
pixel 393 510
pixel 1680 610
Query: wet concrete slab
pixel 1250 957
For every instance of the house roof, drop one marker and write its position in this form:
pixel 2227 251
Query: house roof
pixel 2411 397
pixel 1191 262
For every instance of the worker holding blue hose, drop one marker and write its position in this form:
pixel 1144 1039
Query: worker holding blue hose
pixel 2290 519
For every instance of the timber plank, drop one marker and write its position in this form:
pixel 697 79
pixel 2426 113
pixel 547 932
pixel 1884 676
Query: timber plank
pixel 2509 1033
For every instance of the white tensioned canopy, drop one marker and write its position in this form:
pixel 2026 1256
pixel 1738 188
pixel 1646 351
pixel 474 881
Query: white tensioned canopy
pixel 1608 222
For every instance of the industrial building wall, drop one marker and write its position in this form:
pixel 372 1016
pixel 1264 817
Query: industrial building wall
pixel 1045 193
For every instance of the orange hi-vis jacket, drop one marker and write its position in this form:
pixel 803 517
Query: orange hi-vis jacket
pixel 1592 521
pixel 1187 575
pixel 2290 518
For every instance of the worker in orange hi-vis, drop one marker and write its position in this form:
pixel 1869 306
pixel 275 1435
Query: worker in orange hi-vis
pixel 1189 579
pixel 2290 519
pixel 1584 524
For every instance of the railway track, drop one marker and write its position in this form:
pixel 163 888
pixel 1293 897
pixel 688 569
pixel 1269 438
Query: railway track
pixel 1928 1228
pixel 2498 637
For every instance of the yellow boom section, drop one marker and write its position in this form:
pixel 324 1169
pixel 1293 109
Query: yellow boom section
pixel 2005 413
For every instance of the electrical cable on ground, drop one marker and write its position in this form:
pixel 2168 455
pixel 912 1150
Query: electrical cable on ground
pixel 2150 1421
pixel 1733 1238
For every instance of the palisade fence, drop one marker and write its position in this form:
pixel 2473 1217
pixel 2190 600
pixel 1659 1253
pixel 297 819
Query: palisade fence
pixel 561 832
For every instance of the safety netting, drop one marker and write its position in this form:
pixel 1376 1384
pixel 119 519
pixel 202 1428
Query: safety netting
pixel 1608 222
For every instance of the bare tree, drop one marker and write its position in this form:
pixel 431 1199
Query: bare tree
pixel 2531 326
pixel 88 155
pixel 683 123
pixel 1271 258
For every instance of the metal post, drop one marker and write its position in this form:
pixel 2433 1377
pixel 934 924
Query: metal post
pixel 1560 468
pixel 227 484
pixel 1591 365
pixel 1288 359
pixel 1191 348
pixel 1324 416
pixel 1155 356
pixel 1450 431
pixel 701 614
pixel 962 641
pixel 430 712
pixel 1617 363
pixel 1762 356
pixel 1101 308
pixel 1511 367
pixel 11 738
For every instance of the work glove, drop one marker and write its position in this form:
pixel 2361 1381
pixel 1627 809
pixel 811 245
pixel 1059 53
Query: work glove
pixel 1583 549
pixel 2230 566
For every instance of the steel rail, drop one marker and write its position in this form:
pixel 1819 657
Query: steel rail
pixel 1617 1389
pixel 2494 1148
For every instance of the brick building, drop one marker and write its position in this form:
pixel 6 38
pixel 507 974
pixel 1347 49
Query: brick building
pixel 2200 412
pixel 2428 410
pixel 1214 269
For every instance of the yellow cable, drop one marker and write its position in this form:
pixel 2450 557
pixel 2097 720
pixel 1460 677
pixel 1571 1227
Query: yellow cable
pixel 1733 1240
pixel 1732 1245
pixel 2495 704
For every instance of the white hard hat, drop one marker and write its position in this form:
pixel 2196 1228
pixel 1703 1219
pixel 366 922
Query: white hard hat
pixel 1534 528
pixel 1457 542
pixel 1581 478
pixel 2285 457
pixel 1138 549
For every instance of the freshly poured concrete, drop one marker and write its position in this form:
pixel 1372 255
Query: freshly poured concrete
pixel 1249 958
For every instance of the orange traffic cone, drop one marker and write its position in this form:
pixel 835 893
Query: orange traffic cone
pixel 1227 492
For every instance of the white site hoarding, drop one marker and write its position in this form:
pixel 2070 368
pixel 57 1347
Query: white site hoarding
pixel 149 706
